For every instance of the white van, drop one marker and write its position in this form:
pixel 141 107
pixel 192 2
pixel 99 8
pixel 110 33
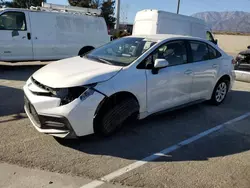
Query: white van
pixel 49 33
pixel 151 22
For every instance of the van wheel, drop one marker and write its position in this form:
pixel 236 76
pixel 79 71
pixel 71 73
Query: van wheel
pixel 220 92
pixel 85 50
pixel 114 118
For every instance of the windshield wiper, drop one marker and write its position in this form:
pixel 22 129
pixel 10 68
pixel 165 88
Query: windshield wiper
pixel 109 62
pixel 99 59
pixel 104 61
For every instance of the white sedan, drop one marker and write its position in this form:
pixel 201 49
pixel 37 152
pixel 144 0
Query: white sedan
pixel 133 76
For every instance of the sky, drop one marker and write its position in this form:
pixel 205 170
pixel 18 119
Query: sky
pixel 187 7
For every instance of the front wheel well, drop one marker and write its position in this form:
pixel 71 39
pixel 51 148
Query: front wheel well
pixel 109 102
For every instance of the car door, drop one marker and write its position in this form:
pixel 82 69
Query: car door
pixel 48 39
pixel 205 63
pixel 170 86
pixel 15 39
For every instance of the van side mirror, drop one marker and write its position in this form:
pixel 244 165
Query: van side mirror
pixel 159 64
pixel 216 41
pixel 248 47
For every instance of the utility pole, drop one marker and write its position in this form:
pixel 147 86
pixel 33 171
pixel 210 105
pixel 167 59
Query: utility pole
pixel 178 7
pixel 117 15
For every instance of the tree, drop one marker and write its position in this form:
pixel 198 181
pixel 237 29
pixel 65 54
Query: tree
pixel 26 3
pixel 4 3
pixel 85 3
pixel 107 9
pixel 96 3
pixel 106 6
pixel 80 3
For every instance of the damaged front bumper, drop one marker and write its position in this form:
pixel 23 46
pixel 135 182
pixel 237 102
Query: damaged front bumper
pixel 66 121
pixel 58 126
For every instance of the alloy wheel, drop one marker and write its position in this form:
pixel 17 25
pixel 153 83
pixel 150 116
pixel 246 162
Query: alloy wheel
pixel 221 92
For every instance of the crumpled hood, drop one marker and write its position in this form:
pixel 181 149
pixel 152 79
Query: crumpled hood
pixel 76 71
pixel 246 52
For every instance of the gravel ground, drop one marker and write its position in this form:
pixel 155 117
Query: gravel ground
pixel 218 160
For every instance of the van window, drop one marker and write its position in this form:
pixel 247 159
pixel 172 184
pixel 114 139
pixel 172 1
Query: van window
pixel 200 51
pixel 13 21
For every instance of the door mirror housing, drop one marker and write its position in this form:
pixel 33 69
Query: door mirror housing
pixel 159 64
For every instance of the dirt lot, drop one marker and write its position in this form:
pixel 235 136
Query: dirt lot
pixel 233 44
pixel 218 159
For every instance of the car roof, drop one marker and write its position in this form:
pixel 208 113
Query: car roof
pixel 162 37
pixel 165 37
pixel 15 9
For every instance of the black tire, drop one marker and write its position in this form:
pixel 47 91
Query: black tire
pixel 214 100
pixel 114 118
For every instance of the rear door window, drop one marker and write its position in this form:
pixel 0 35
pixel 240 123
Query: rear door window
pixel 200 51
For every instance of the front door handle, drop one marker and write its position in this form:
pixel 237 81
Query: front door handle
pixel 215 65
pixel 29 36
pixel 188 72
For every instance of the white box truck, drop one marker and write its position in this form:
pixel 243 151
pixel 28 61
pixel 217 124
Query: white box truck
pixel 150 22
pixel 50 32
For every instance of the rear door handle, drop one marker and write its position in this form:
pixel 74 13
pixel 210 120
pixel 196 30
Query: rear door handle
pixel 188 72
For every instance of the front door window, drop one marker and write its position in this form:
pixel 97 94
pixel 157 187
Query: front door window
pixel 13 21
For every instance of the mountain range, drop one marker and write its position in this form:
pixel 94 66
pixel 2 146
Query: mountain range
pixel 230 21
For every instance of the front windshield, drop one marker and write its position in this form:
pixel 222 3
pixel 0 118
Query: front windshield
pixel 121 52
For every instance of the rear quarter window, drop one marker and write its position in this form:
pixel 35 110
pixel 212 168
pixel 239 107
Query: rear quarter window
pixel 213 53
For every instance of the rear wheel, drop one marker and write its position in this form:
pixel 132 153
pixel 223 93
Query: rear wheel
pixel 220 92
pixel 115 117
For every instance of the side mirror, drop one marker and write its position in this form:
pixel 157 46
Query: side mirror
pixel 159 64
pixel 216 41
pixel 248 47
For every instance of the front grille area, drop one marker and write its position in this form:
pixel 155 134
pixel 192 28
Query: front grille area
pixel 32 111
pixel 40 85
pixel 46 122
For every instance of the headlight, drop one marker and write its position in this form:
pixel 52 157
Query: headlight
pixel 67 95
pixel 87 93
pixel 61 93
pixel 241 56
